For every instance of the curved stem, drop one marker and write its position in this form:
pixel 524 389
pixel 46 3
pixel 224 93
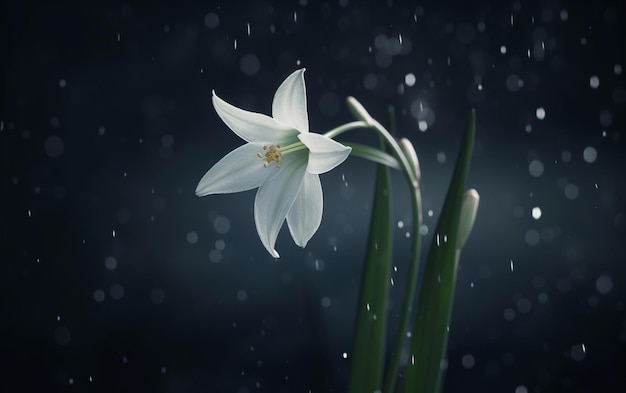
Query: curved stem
pixel 345 127
pixel 416 204
pixel 407 305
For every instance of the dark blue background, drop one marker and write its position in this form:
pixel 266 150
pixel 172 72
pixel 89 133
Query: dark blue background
pixel 116 277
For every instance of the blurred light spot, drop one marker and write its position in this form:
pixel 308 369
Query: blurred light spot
pixel 540 113
pixel 468 361
pixel 116 291
pixel 62 335
pixel 53 146
pixel 509 314
pixel 590 154
pixel 571 191
pixel 532 237
pixel 101 130
pixel 503 49
pixel 400 224
pixel 221 225
pixel 619 95
pixel 370 82
pixel 62 83
pixel 409 79
pixel 604 284
pixel 563 284
pixel 249 64
pixel 594 82
pixel 220 244
pixel 215 256
pixel 514 83
pixel 167 141
pixel 422 125
pixel 110 263
pixel 566 156
pixel 524 305
pixel 157 296
pixel 606 118
pixel 536 212
pixel 441 157
pixel 242 295
pixel 192 237
pixel 325 302
pixel 617 69
pixel 344 355
pixel 543 297
pixel 535 168
pixel 211 20
pixel 521 389
pixel 98 295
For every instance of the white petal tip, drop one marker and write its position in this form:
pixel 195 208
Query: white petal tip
pixel 469 208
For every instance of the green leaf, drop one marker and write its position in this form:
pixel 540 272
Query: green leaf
pixel 430 330
pixel 368 354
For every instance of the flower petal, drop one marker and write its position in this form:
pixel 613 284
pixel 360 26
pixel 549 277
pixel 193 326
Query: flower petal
pixel 252 126
pixel 289 106
pixel 276 196
pixel 324 153
pixel 239 170
pixel 305 214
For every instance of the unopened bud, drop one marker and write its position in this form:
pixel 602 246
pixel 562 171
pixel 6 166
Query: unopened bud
pixel 409 151
pixel 469 207
pixel 358 110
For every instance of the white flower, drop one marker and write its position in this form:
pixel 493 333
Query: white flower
pixel 282 159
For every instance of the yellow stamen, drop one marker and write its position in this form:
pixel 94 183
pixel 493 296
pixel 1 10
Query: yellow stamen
pixel 272 154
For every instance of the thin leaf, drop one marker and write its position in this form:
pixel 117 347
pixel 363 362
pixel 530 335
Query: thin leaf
pixel 370 332
pixel 430 330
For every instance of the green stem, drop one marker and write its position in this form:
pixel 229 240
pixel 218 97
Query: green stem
pixel 407 305
pixel 416 204
pixel 345 127
pixel 373 154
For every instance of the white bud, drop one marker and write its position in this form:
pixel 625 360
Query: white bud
pixel 358 110
pixel 469 207
pixel 409 151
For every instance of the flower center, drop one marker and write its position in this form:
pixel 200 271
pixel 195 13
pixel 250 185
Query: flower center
pixel 272 154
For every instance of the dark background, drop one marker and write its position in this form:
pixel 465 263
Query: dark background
pixel 116 277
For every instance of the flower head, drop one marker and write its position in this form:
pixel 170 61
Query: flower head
pixel 282 158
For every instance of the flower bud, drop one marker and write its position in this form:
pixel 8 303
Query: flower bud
pixel 409 151
pixel 358 110
pixel 469 207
